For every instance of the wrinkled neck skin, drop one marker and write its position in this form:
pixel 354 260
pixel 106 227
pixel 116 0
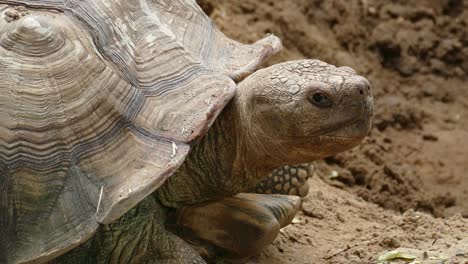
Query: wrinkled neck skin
pixel 228 160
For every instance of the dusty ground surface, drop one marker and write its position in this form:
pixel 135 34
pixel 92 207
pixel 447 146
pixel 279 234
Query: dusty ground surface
pixel 407 185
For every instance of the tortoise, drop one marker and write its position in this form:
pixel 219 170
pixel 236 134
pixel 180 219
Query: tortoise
pixel 130 131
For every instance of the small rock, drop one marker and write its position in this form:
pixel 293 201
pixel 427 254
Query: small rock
pixel 340 217
pixel 390 242
pixel 425 255
pixel 311 213
pixel 296 220
pixel 430 137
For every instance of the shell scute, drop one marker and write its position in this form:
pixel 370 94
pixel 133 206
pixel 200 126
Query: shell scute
pixel 94 95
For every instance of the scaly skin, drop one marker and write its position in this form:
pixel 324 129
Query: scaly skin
pixel 292 180
pixel 137 237
pixel 289 113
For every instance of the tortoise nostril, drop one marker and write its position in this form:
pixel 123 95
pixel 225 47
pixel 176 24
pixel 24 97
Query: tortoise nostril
pixel 361 92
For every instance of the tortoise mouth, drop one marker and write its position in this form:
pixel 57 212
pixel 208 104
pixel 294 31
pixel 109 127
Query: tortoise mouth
pixel 357 127
pixel 309 148
pixel 354 128
pixel 328 142
pixel 328 131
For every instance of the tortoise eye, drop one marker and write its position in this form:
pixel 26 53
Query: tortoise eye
pixel 320 99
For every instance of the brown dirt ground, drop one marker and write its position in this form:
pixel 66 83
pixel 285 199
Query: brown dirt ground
pixel 406 186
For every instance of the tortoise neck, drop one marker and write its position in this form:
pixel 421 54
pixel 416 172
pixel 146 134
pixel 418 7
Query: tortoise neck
pixel 225 162
pixel 253 155
pixel 233 158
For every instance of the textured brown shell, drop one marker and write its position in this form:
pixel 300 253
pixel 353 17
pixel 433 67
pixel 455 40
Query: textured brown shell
pixel 100 101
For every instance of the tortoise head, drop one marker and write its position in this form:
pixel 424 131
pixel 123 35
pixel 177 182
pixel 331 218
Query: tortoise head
pixel 304 110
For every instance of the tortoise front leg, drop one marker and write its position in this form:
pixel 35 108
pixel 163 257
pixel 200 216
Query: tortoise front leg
pixel 234 228
pixel 291 180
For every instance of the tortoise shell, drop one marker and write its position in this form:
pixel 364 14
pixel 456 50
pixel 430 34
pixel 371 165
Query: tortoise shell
pixel 100 102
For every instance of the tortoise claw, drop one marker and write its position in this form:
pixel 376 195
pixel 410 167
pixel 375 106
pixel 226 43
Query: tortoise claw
pixel 235 227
